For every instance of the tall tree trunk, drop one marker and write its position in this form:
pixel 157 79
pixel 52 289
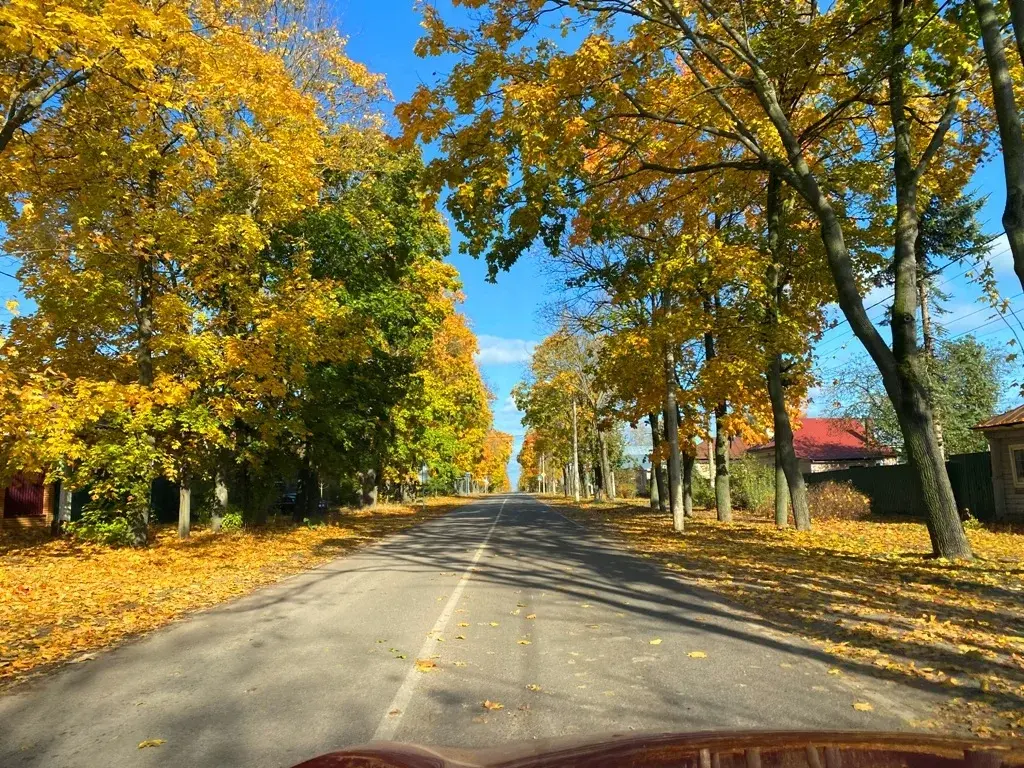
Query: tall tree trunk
pixel 1011 136
pixel 785 454
pixel 575 456
pixel 220 503
pixel 658 479
pixel 675 479
pixel 781 493
pixel 184 505
pixel 909 380
pixel 688 459
pixel 928 343
pixel 786 462
pixel 565 481
pixel 720 476
pixel 607 478
pixel 723 493
pixel 63 516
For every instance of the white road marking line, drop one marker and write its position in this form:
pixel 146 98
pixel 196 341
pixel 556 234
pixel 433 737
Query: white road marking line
pixel 389 723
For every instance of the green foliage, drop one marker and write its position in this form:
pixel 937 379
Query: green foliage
pixel 837 501
pixel 103 525
pixel 703 493
pixel 966 379
pixel 752 485
pixel 232 520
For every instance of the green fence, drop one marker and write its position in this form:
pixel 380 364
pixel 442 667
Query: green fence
pixel 893 489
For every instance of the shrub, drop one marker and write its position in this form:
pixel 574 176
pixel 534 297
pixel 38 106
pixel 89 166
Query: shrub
pixel 703 493
pixel 103 526
pixel 752 485
pixel 232 521
pixel 837 501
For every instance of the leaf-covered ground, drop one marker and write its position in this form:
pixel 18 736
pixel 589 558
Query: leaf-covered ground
pixel 864 591
pixel 60 600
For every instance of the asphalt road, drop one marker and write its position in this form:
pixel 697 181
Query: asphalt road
pixel 569 633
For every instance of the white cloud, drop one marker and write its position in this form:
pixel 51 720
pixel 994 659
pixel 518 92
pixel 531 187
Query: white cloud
pixel 495 350
pixel 509 406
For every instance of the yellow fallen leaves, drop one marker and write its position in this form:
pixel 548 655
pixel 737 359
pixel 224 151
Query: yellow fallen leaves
pixel 655 641
pixel 863 706
pixel 533 687
pixel 531 615
pixel 697 655
pixel 863 591
pixel 492 705
pixel 426 665
pixel 59 599
pixel 151 743
pixel 523 642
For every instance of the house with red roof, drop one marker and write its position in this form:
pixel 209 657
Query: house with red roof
pixel 821 444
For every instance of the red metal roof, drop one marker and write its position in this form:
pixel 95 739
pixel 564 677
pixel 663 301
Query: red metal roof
pixel 831 440
pixel 1011 417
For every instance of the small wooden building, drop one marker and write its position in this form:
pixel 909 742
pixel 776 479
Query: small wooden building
pixel 1005 434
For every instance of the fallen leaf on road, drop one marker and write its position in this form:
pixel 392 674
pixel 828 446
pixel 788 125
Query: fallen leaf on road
pixel 697 655
pixel 523 642
pixel 459 663
pixel 656 641
pixel 834 671
pixel 151 743
pixel 463 623
pixel 533 687
pixel 531 615
pixel 426 665
pixel 787 666
pixel 488 704
pixel 395 712
pixel 494 623
pixel 516 612
pixel 520 605
pixel 584 605
pixel 862 706
pixel 460 637
pixel 593 626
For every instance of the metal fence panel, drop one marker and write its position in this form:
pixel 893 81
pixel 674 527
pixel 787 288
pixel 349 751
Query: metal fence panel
pixel 893 490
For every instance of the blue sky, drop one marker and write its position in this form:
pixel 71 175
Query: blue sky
pixel 507 316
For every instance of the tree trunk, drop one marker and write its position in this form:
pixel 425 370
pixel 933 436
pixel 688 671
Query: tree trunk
pixel 909 380
pixel 1011 136
pixel 785 455
pixel 781 493
pixel 369 488
pixel 575 456
pixel 63 516
pixel 786 462
pixel 675 480
pixel 723 494
pixel 607 479
pixel 184 506
pixel 688 459
pixel 928 343
pixel 658 478
pixel 220 504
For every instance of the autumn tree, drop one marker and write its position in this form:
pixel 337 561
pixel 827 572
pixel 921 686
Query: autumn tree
pixel 704 90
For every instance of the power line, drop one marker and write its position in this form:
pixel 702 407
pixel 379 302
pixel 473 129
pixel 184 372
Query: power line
pixel 843 339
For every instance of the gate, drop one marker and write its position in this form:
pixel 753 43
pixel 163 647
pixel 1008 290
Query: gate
pixel 23 499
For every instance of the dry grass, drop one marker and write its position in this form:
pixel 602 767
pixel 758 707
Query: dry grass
pixel 59 598
pixel 864 591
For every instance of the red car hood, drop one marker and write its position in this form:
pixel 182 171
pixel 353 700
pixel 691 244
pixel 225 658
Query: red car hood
pixel 716 749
